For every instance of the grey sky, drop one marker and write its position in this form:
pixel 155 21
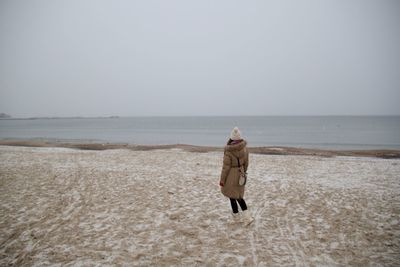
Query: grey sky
pixel 135 58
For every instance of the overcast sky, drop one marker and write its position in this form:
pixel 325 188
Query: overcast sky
pixel 149 58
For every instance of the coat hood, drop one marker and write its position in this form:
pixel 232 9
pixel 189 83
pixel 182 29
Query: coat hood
pixel 236 147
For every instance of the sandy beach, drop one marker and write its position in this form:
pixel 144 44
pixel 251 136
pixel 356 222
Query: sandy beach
pixel 163 207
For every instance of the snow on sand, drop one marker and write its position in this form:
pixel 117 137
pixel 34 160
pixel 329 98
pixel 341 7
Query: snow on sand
pixel 69 207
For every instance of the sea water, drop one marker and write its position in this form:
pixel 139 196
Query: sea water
pixel 326 132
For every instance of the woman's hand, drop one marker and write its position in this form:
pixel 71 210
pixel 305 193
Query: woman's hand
pixel 221 184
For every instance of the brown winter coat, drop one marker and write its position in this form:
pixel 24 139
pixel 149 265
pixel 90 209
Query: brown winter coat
pixel 230 171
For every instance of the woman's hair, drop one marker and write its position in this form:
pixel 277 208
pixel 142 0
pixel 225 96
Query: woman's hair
pixel 230 141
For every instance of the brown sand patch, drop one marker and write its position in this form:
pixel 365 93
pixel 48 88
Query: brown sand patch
pixel 382 153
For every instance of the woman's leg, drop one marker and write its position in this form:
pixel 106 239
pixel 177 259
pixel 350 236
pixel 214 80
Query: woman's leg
pixel 242 204
pixel 234 205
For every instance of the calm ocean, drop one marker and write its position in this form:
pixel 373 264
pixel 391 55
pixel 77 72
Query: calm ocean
pixel 331 132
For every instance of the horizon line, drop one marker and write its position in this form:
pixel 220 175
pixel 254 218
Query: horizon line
pixel 188 116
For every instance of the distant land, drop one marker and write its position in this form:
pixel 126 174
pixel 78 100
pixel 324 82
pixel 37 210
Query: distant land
pixel 6 116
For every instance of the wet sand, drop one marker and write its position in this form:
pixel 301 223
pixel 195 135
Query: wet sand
pixel 161 206
pixel 382 153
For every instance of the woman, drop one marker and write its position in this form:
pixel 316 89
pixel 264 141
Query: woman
pixel 236 157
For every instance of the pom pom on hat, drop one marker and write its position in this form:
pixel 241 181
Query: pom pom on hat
pixel 235 134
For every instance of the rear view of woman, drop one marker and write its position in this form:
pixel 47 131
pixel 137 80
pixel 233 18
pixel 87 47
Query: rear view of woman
pixel 236 160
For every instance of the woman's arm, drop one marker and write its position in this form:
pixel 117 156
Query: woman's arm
pixel 246 159
pixel 225 169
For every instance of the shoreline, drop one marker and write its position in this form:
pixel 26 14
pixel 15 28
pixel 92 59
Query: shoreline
pixel 268 150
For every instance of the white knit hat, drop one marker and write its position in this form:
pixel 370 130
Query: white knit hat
pixel 235 134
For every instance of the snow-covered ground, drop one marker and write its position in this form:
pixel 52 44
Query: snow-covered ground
pixel 65 207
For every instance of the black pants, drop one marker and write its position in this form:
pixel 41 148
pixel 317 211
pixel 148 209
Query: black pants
pixel 234 205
